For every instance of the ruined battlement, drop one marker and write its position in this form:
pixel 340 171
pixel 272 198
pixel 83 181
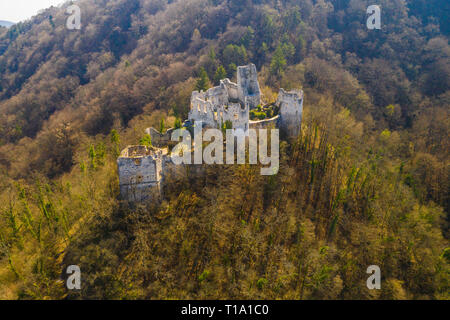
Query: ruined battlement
pixel 160 140
pixel 265 124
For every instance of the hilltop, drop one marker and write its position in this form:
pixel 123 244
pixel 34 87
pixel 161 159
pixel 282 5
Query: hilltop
pixel 6 24
pixel 366 182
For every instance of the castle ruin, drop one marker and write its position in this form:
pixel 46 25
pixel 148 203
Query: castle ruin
pixel 141 169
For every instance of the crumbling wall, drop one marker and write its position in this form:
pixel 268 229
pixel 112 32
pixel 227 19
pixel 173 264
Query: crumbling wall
pixel 228 101
pixel 271 123
pixel 140 172
pixel 291 110
pixel 248 87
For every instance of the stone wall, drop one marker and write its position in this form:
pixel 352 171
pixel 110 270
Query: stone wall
pixel 160 140
pixel 249 92
pixel 232 89
pixel 204 111
pixel 140 172
pixel 291 110
pixel 238 116
pixel 271 123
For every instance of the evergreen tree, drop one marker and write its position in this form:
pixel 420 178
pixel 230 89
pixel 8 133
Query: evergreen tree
pixel 115 140
pixel 212 54
pixel 278 62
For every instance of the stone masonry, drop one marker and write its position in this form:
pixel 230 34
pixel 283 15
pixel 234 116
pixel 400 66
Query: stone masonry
pixel 291 111
pixel 141 172
pixel 228 101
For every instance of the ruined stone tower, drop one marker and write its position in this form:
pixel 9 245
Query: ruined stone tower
pixel 141 172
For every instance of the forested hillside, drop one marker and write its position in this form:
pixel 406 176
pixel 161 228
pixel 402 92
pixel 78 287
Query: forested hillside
pixel 366 182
